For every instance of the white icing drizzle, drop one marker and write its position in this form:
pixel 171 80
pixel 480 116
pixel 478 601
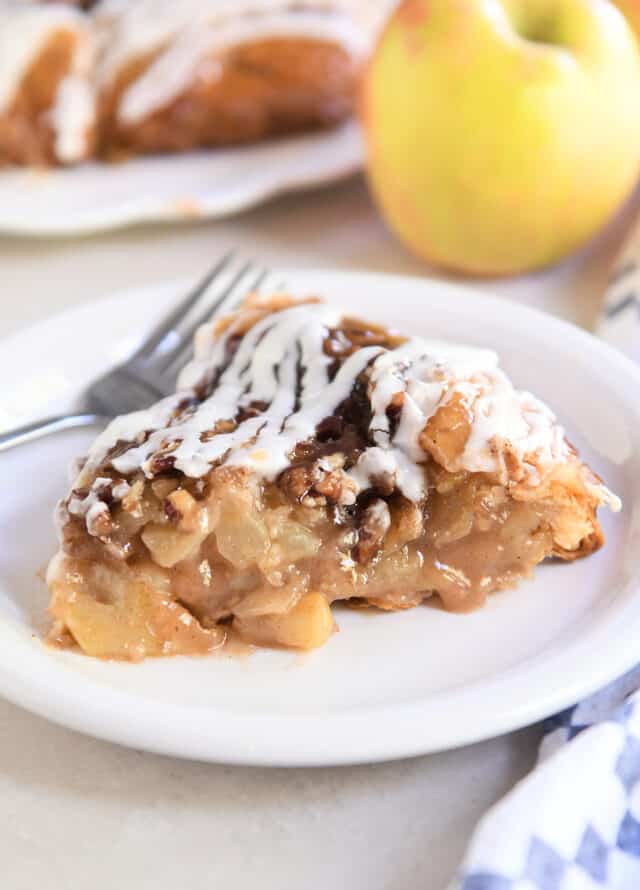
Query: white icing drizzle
pixel 184 34
pixel 72 117
pixel 24 31
pixel 280 361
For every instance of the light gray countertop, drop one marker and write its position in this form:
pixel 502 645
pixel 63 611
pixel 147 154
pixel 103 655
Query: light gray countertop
pixel 79 813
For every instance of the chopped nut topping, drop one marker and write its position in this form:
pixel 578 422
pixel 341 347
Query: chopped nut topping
pixel 161 463
pixel 221 426
pixel 338 488
pixel 376 521
pixel 315 484
pixel 298 481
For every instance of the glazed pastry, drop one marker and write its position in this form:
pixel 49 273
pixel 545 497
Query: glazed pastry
pixel 47 113
pixel 175 76
pixel 309 458
pixel 159 76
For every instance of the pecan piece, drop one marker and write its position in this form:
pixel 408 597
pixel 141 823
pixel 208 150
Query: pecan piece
pixel 221 426
pixel 337 487
pixel 161 463
pixel 297 482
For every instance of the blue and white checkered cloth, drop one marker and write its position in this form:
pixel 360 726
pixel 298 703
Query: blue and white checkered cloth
pixel 574 822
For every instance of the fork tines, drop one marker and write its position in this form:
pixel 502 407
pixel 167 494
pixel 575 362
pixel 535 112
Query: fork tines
pixel 222 289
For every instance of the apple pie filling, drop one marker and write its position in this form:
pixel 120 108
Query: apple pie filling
pixel 308 459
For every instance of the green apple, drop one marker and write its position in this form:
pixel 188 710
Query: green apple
pixel 501 134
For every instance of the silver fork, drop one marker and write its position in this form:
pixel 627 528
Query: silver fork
pixel 150 373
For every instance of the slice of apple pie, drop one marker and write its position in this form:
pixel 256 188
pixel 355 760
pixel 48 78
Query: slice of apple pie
pixel 309 458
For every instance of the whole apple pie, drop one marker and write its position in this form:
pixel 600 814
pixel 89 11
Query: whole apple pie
pixel 114 78
pixel 309 458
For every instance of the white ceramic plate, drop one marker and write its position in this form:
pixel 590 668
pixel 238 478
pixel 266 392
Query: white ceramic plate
pixel 387 685
pixel 188 186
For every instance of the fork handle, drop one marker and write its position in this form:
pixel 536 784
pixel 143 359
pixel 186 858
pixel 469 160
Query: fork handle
pixel 39 428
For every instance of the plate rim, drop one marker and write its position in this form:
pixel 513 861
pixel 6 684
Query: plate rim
pixel 308 743
pixel 125 215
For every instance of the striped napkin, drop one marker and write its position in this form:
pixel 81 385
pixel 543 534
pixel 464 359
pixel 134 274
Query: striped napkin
pixel 574 822
pixel 619 319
